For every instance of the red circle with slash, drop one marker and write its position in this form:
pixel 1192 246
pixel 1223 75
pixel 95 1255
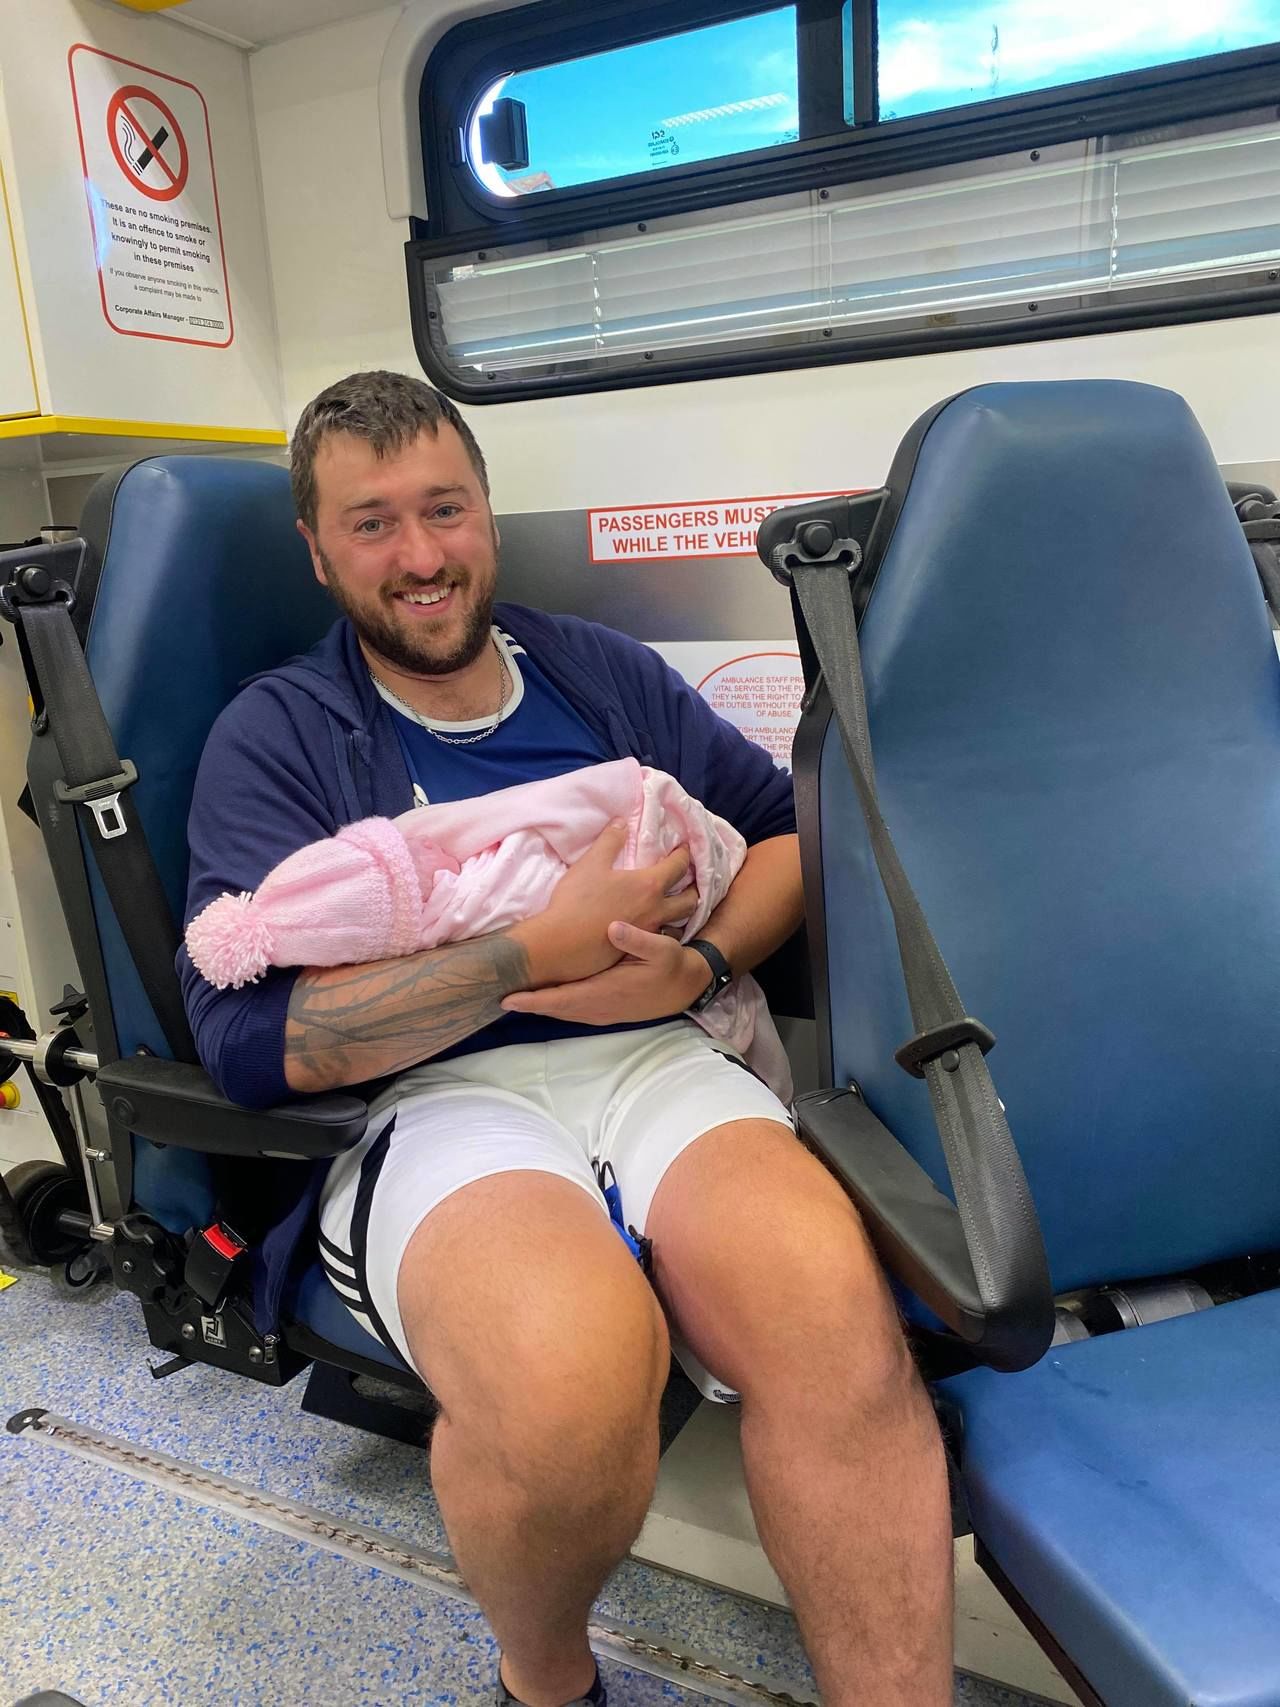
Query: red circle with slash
pixel 143 142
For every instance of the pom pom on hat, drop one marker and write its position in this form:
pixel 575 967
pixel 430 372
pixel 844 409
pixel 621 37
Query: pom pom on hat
pixel 230 941
pixel 354 896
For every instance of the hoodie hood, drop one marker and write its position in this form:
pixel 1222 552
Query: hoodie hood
pixel 333 673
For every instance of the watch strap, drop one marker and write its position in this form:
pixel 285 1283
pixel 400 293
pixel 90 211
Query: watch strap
pixel 721 973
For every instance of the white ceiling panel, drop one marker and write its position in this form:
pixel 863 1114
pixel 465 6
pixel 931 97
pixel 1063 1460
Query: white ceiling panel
pixel 256 22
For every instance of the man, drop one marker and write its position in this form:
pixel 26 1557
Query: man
pixel 513 1076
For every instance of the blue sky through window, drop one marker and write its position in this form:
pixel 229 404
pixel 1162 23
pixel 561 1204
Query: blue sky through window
pixel 723 89
pixel 731 87
pixel 946 53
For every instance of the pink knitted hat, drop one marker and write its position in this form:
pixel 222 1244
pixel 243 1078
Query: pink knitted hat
pixel 354 897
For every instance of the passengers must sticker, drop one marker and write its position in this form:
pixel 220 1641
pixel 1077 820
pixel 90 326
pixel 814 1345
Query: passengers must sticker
pixel 654 533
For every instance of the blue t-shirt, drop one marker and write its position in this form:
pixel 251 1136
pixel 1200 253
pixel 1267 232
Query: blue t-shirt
pixel 540 736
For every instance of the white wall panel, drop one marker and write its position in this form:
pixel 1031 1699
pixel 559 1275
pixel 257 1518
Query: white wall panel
pixel 93 370
pixel 337 261
pixel 17 378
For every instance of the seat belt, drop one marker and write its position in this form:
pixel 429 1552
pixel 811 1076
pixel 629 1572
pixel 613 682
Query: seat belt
pixel 949 1048
pixel 94 781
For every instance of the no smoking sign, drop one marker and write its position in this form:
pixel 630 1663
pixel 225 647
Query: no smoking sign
pixel 153 200
pixel 147 142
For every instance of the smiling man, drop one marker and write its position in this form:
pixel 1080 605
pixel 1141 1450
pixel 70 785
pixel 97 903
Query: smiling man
pixel 510 1077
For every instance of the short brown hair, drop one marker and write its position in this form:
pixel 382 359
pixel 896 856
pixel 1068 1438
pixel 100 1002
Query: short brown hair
pixel 387 410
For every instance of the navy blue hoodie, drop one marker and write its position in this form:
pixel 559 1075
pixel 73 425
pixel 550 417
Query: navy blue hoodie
pixel 311 746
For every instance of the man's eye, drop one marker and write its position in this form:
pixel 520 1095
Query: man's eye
pixel 447 512
pixel 370 524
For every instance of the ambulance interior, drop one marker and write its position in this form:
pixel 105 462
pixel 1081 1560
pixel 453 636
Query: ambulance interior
pixel 973 296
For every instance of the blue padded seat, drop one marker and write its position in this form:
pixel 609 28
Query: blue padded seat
pixel 310 1299
pixel 1075 704
pixel 204 582
pixel 1129 1487
pixel 1074 699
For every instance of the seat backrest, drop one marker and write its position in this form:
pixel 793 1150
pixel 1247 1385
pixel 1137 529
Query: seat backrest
pixel 203 581
pixel 1074 701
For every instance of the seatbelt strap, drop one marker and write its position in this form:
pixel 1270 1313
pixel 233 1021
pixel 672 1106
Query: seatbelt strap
pixel 949 1047
pixel 95 780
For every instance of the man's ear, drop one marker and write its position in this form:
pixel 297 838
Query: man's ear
pixel 317 568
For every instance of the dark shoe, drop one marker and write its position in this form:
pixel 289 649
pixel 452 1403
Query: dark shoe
pixel 595 1696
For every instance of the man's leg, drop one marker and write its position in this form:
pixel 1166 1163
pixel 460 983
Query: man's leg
pixel 536 1331
pixel 766 1271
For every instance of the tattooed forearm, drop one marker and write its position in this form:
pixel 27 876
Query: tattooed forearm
pixel 352 1023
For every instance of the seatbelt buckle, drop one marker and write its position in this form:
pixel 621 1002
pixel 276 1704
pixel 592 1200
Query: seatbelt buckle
pixel 211 1261
pixel 102 797
pixel 917 1052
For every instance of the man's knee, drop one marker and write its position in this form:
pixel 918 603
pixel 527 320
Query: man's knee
pixel 778 1273
pixel 573 1408
pixel 569 1437
pixel 838 1331
pixel 545 1343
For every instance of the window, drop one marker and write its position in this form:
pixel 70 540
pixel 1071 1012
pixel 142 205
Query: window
pixel 984 248
pixel 696 96
pixel 935 54
pixel 621 195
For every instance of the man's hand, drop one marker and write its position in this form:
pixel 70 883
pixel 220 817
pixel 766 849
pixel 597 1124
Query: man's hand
pixel 350 1023
pixel 656 979
pixel 570 939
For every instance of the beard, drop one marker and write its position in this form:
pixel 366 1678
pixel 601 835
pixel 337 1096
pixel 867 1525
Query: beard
pixel 417 654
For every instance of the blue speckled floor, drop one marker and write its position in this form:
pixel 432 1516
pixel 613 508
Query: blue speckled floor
pixel 116 1591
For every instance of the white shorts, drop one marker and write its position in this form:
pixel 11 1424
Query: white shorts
pixel 632 1099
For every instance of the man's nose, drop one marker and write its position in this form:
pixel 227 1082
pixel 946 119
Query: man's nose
pixel 421 549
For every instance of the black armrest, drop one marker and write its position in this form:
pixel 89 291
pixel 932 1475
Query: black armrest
pixel 173 1103
pixel 918 1233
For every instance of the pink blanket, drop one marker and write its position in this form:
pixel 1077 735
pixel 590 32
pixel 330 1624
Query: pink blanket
pixel 386 887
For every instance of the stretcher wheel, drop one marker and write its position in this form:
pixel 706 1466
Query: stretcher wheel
pixel 40 1191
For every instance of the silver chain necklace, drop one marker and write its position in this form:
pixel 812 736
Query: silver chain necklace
pixel 455 740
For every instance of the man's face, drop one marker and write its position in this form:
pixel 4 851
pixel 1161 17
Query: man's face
pixel 407 545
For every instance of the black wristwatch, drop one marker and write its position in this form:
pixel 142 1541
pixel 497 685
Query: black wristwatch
pixel 721 973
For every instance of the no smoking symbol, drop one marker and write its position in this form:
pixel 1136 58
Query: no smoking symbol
pixel 147 142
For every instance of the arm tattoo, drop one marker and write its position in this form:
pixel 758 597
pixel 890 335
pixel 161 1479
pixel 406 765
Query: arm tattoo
pixel 353 1023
